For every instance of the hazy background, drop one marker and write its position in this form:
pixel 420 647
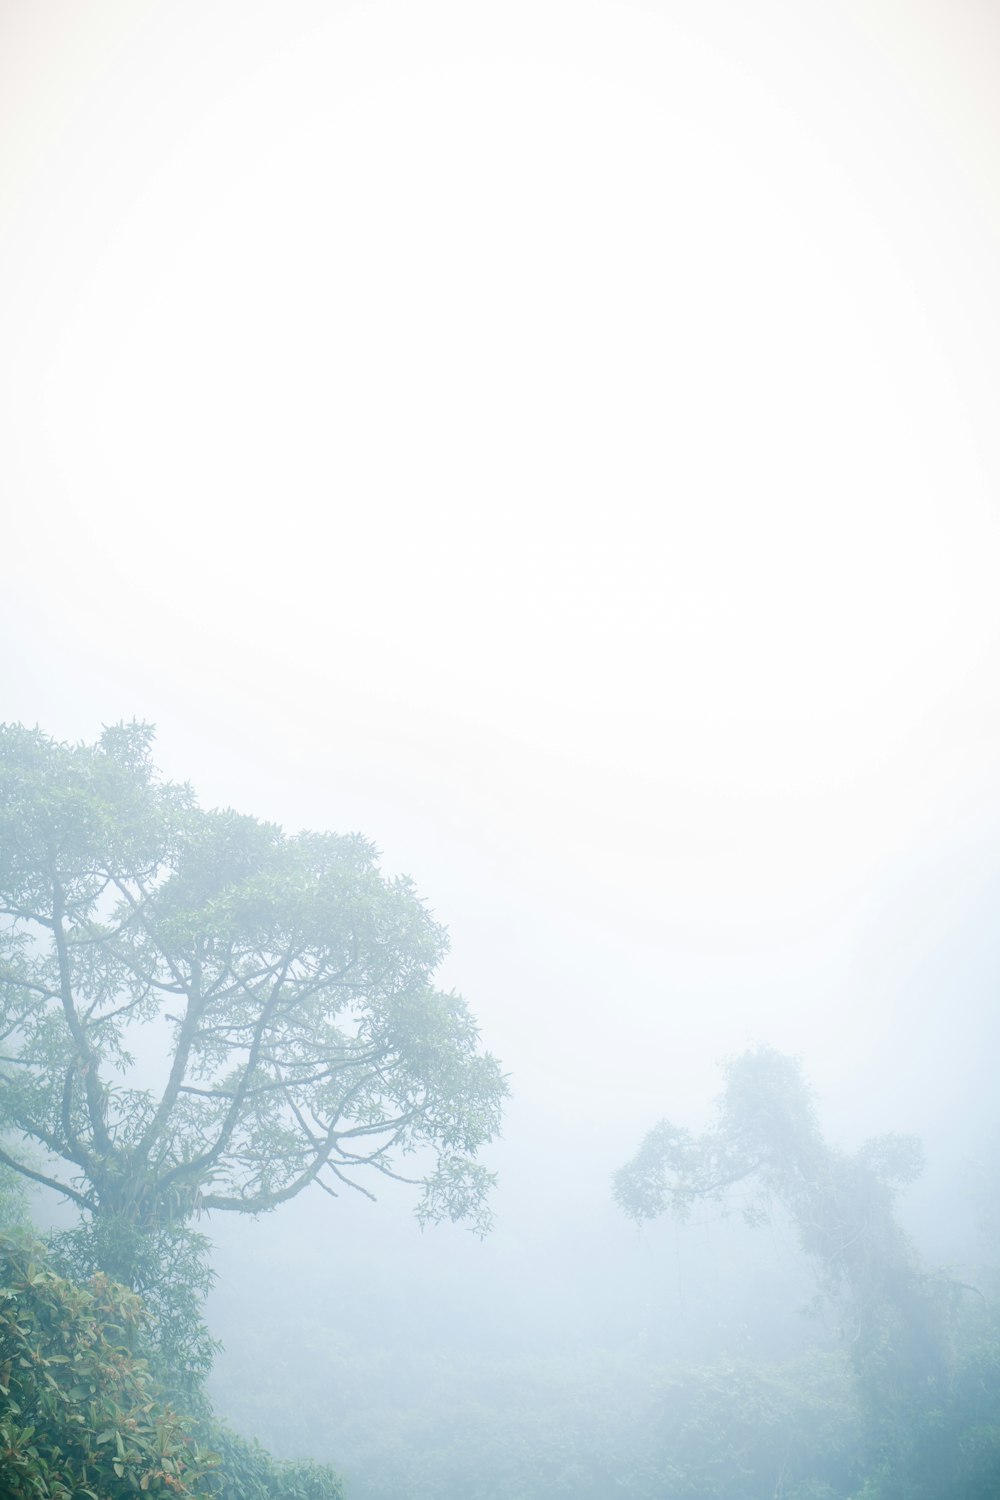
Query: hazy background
pixel 558 440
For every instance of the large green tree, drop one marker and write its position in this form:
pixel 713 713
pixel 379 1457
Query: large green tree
pixel 200 1012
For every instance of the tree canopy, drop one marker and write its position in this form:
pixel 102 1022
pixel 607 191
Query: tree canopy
pixel 284 984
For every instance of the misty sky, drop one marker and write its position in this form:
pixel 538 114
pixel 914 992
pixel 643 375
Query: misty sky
pixel 558 439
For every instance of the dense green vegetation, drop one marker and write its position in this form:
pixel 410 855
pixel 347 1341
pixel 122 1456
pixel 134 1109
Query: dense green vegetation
pixel 606 1423
pixel 82 1415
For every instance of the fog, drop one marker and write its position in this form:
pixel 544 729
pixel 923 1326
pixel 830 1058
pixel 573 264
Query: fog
pixel 558 441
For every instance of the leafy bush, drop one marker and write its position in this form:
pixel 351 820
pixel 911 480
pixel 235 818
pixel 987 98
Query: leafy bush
pixel 248 1472
pixel 168 1267
pixel 82 1417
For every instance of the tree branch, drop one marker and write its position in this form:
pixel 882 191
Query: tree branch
pixel 264 1201
pixel 185 1041
pixel 50 1182
pixel 200 1164
pixel 91 1081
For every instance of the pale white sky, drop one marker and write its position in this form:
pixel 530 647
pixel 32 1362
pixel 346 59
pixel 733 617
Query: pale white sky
pixel 557 439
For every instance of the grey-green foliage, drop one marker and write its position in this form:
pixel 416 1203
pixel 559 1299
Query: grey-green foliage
pixel 767 1143
pixel 594 1424
pixel 946 1441
pixel 436 1425
pixel 927 1419
pixel 745 1430
pixel 247 1471
pixel 13 1199
pixel 290 983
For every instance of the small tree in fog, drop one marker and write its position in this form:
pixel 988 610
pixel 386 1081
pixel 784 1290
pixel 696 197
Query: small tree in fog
pixel 767 1143
pixel 284 983
pixel 899 1319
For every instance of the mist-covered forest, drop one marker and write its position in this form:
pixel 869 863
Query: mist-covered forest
pixel 499 743
pixel 206 1018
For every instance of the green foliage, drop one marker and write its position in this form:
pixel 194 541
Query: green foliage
pixel 450 1426
pixel 738 1430
pixel 307 1042
pixel 949 1445
pixel 767 1141
pixel 169 1269
pixel 81 1414
pixel 928 1390
pixel 594 1424
pixel 84 1414
pixel 13 1199
pixel 248 1472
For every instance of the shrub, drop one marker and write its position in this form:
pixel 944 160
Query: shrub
pixel 82 1416
pixel 248 1472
